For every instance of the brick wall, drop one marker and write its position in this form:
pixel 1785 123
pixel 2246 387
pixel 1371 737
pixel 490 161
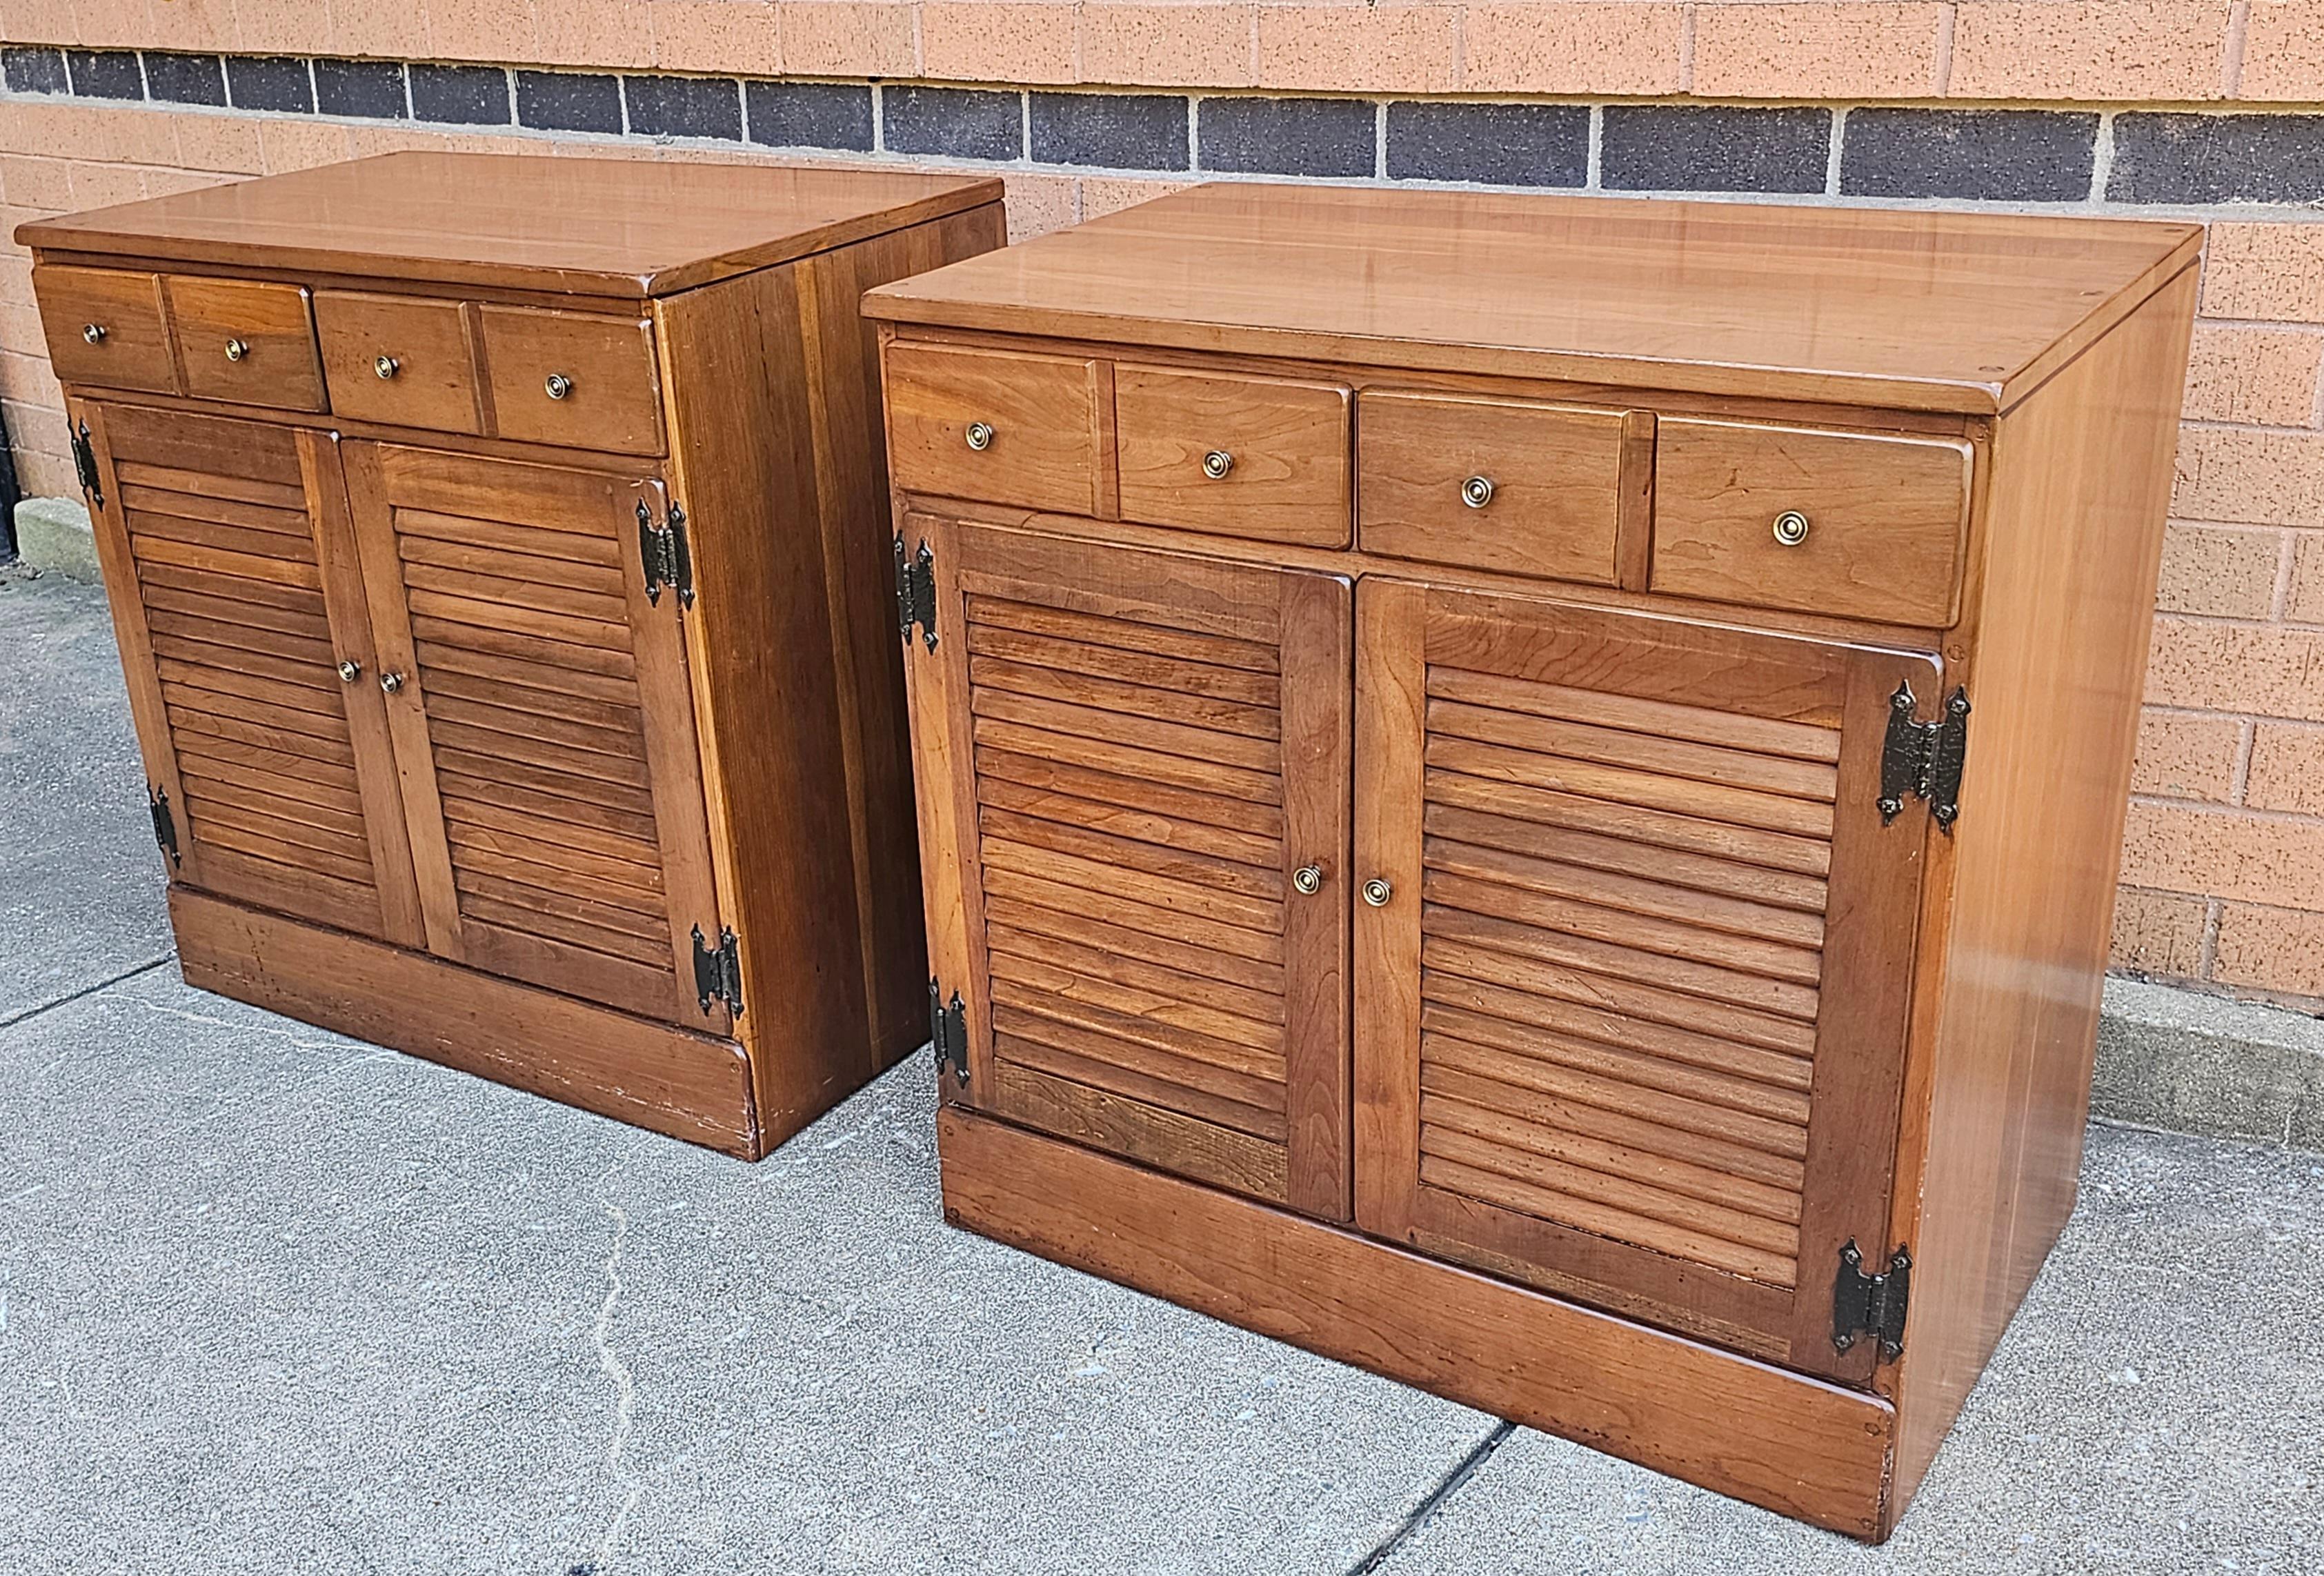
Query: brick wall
pixel 2200 108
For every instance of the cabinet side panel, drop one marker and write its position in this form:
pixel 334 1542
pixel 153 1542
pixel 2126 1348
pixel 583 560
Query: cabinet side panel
pixel 2081 481
pixel 758 642
pixel 842 356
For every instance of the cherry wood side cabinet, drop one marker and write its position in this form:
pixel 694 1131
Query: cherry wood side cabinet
pixel 1525 793
pixel 497 554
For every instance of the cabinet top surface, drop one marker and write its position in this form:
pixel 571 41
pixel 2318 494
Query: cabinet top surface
pixel 1911 309
pixel 620 227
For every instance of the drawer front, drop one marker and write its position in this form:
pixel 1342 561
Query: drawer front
pixel 248 342
pixel 570 379
pixel 1884 519
pixel 1509 485
pixel 994 425
pixel 1243 457
pixel 105 327
pixel 395 359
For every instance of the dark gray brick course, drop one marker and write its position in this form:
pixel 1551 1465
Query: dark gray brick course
pixel 185 79
pixel 1110 131
pixel 2216 157
pixel 964 121
pixel 2000 155
pixel 1654 147
pixel 1329 137
pixel 464 95
pixel 105 74
pixel 569 101
pixel 369 89
pixel 278 82
pixel 1496 145
pixel 684 107
pixel 809 114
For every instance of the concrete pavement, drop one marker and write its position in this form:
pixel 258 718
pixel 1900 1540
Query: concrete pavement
pixel 272 1300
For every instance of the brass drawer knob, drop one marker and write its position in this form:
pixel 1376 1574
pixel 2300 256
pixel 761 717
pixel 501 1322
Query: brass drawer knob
pixel 1477 492
pixel 1376 891
pixel 980 436
pixel 93 332
pixel 350 670
pixel 1791 528
pixel 235 349
pixel 1308 878
pixel 557 386
pixel 1217 464
pixel 391 682
pixel 386 366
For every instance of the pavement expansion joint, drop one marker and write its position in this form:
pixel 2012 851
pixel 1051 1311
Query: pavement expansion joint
pixel 1447 1487
pixel 70 997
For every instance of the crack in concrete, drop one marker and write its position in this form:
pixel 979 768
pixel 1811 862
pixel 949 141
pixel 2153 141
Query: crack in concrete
pixel 1446 1487
pixel 625 1392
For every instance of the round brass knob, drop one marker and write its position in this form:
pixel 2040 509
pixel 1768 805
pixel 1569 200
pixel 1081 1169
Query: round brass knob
pixel 350 670
pixel 93 332
pixel 386 366
pixel 980 436
pixel 235 349
pixel 557 385
pixel 1791 528
pixel 1217 464
pixel 391 682
pixel 1376 891
pixel 1477 492
pixel 1308 878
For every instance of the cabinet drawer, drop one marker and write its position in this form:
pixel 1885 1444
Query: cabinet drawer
pixel 1884 519
pixel 246 341
pixel 1239 455
pixel 567 378
pixel 399 360
pixel 1509 485
pixel 993 424
pixel 105 327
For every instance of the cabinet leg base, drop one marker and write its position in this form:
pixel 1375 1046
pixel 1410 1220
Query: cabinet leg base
pixel 651 1075
pixel 1794 1444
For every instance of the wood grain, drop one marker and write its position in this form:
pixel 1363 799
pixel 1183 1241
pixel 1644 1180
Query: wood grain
pixel 434 382
pixel 132 344
pixel 1286 442
pixel 613 398
pixel 274 323
pixel 1043 451
pixel 1808 1449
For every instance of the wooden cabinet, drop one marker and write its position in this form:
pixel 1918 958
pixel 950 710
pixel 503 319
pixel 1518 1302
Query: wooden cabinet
pixel 495 602
pixel 1603 916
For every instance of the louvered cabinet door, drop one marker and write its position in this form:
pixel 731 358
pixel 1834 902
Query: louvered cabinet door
pixel 543 724
pixel 1631 1017
pixel 1125 759
pixel 236 595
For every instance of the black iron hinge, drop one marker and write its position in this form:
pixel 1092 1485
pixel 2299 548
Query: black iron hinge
pixel 165 826
pixel 916 592
pixel 718 971
pixel 1870 1305
pixel 84 454
pixel 661 545
pixel 1923 759
pixel 948 1032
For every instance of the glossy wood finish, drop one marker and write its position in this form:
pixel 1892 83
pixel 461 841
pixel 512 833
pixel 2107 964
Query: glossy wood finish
pixel 1922 310
pixel 246 342
pixel 1655 1009
pixel 624 228
pixel 1260 457
pixel 1806 1448
pixel 404 361
pixel 448 766
pixel 1035 420
pixel 1883 519
pixel 1562 482
pixel 575 380
pixel 105 328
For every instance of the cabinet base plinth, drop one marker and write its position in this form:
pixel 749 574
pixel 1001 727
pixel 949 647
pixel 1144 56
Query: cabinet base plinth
pixel 1777 1439
pixel 652 1075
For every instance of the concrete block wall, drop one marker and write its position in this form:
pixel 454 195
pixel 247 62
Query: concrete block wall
pixel 2212 109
